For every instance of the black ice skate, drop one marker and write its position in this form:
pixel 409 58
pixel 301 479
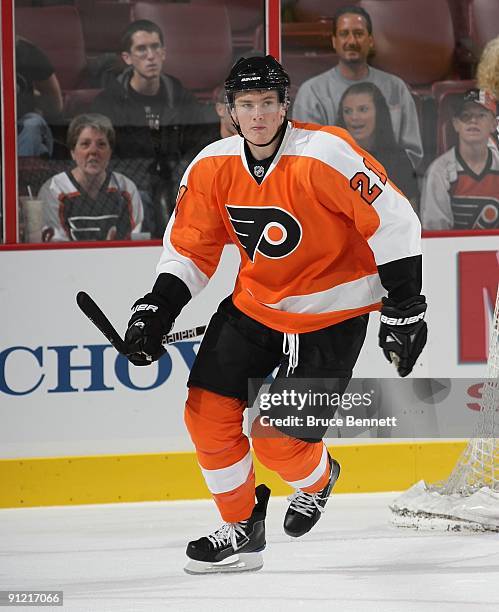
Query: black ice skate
pixel 305 509
pixel 235 547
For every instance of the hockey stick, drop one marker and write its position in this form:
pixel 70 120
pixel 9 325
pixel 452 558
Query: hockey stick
pixel 104 325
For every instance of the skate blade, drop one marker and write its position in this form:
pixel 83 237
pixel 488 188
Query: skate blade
pixel 244 562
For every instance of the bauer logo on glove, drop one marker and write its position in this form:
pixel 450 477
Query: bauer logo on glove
pixel 400 321
pixel 403 332
pixel 139 307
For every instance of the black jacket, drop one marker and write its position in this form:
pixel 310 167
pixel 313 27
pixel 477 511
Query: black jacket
pixel 181 121
pixel 400 170
pixel 148 157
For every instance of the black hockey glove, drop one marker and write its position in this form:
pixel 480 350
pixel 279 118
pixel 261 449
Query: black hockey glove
pixel 150 321
pixel 403 332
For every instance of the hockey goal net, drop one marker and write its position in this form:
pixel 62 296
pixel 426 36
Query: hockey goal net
pixel 469 498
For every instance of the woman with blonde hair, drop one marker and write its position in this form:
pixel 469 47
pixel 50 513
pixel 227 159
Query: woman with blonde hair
pixel 488 75
pixel 488 67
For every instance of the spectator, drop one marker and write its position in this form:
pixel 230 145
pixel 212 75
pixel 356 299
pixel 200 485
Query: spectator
pixel 90 202
pixel 226 125
pixel 488 73
pixel 488 67
pixel 154 116
pixel 363 111
pixel 38 98
pixel 461 187
pixel 317 100
pixel 222 129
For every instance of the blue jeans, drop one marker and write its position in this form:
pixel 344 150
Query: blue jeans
pixel 34 137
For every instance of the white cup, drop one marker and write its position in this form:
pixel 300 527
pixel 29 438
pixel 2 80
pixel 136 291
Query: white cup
pixel 32 209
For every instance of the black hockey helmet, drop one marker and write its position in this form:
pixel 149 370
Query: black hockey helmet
pixel 257 73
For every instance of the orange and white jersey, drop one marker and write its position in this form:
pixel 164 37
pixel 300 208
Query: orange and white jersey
pixel 310 235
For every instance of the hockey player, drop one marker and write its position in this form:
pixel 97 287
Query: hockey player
pixel 324 238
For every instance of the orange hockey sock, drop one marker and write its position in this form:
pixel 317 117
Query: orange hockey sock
pixel 223 451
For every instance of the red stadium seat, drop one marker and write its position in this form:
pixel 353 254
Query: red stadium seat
pixel 259 39
pixel 314 10
pixel 57 31
pixel 465 55
pixel 308 36
pixel 304 65
pixel 307 50
pixel 483 19
pixel 441 89
pixel 79 101
pixel 197 40
pixel 103 23
pixel 244 17
pixel 459 13
pixel 414 39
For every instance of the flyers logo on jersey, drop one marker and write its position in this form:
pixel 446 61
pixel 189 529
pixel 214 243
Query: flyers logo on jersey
pixel 488 214
pixel 268 230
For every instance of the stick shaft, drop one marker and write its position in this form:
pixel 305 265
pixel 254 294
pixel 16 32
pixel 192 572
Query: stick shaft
pixel 93 312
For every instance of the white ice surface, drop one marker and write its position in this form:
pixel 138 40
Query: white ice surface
pixel 129 558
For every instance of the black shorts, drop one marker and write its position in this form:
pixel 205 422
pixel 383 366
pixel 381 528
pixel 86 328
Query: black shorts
pixel 236 348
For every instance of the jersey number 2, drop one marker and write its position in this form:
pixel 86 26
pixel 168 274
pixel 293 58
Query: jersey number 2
pixel 361 181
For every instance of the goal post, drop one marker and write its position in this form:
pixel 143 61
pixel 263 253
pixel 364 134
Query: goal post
pixel 469 497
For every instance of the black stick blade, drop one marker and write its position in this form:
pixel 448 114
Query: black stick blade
pixel 99 319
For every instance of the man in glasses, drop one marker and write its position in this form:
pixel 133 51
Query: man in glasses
pixel 156 119
pixel 461 187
